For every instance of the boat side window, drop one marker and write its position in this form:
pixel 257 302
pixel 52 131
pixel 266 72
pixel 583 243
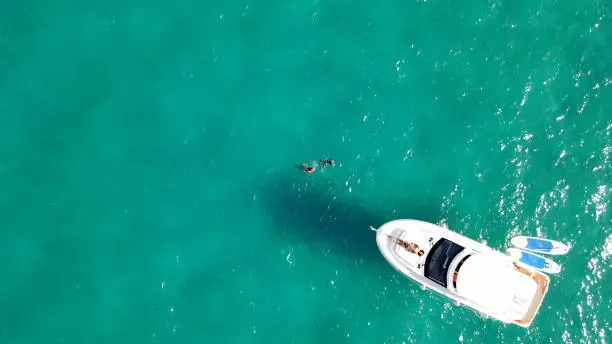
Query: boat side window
pixel 457 270
pixel 438 260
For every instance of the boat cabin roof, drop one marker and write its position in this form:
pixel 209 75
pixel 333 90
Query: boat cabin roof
pixel 492 282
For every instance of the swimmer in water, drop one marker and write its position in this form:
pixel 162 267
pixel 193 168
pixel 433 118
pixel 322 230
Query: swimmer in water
pixel 327 162
pixel 307 169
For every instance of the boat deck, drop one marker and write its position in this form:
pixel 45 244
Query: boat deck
pixel 412 259
pixel 542 287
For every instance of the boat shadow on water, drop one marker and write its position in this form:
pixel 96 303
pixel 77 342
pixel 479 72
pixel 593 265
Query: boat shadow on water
pixel 310 212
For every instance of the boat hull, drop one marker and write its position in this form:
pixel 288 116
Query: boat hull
pixel 445 252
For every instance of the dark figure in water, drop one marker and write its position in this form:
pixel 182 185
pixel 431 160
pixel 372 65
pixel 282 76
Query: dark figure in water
pixel 327 162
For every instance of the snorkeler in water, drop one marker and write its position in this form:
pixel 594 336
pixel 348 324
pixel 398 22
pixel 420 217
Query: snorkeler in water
pixel 311 168
pixel 327 162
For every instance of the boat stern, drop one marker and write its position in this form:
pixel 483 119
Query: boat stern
pixel 542 281
pixel 506 290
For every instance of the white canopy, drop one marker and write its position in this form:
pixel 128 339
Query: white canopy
pixel 489 280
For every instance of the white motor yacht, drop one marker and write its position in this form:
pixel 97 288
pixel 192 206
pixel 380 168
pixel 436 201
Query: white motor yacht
pixel 464 270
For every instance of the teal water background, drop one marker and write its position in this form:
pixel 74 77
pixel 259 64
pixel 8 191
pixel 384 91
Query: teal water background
pixel 148 154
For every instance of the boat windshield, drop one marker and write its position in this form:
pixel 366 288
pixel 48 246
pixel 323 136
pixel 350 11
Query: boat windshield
pixel 439 258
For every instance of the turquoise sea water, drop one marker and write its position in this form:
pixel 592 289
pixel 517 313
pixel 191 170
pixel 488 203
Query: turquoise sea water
pixel 148 156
